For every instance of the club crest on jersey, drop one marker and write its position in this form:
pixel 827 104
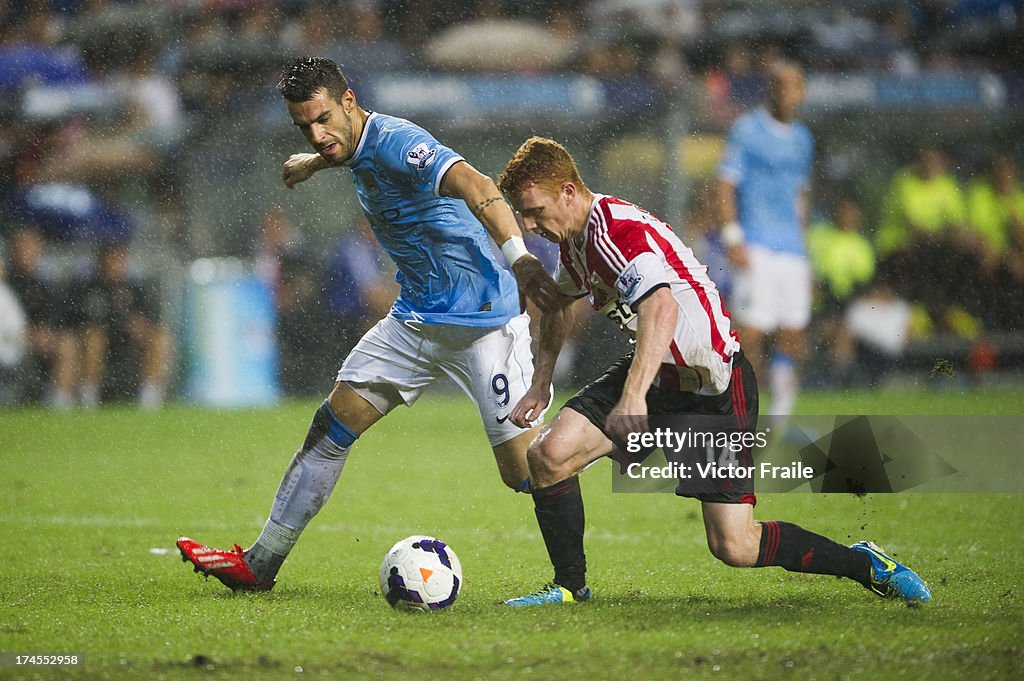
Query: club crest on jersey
pixel 629 281
pixel 421 156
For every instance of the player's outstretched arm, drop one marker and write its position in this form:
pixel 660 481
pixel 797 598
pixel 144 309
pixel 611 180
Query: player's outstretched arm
pixel 463 181
pixel 554 328
pixel 657 315
pixel 728 217
pixel 300 167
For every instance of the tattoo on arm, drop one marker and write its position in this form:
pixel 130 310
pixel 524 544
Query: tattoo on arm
pixel 478 210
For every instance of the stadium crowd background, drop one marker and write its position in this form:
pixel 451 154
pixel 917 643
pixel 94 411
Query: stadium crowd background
pixel 139 137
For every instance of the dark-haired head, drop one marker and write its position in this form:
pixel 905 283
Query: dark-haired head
pixel 301 79
pixel 323 107
pixel 786 90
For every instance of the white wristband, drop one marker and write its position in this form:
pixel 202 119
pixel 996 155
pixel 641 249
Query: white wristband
pixel 513 249
pixel 732 235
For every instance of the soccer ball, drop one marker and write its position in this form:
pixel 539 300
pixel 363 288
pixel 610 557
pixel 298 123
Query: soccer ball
pixel 420 573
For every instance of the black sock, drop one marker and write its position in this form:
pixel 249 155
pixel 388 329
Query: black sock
pixel 559 510
pixel 792 547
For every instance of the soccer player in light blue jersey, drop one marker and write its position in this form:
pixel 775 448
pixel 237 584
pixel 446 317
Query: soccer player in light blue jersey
pixel 763 183
pixel 458 313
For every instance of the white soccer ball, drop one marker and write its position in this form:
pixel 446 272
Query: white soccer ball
pixel 420 573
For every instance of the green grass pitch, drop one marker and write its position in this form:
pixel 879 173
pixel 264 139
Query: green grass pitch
pixel 91 505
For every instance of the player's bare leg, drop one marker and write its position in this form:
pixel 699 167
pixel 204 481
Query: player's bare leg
pixel 564 448
pixel 511 459
pixel 732 534
pixel 736 539
pixel 307 484
pixel 64 373
pixel 94 364
pixel 156 344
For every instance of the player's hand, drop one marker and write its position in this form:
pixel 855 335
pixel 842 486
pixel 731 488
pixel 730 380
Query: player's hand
pixel 299 168
pixel 628 416
pixel 532 405
pixel 738 256
pixel 537 284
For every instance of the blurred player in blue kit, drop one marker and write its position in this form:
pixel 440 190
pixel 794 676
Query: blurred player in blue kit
pixel 458 313
pixel 763 183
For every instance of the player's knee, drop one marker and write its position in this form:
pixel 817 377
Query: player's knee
pixel 546 461
pixel 538 456
pixel 732 549
pixel 326 425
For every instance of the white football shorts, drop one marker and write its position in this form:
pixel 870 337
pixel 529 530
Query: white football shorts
pixel 394 362
pixel 773 292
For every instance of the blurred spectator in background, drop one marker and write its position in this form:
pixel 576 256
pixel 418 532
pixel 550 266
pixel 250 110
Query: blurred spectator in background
pixel 611 60
pixel 995 209
pixel 319 28
pixel 763 186
pixel 360 284
pixel 153 106
pixel 878 327
pixel 365 48
pixel 492 41
pixel 305 327
pixel 52 369
pixel 30 52
pixel 923 239
pixel 125 135
pixel 733 84
pixel 567 26
pixel 676 19
pixel 29 155
pixel 304 324
pixel 277 236
pixel 125 348
pixel 703 234
pixel 843 258
pixel 13 340
pixel 895 41
pixel 844 265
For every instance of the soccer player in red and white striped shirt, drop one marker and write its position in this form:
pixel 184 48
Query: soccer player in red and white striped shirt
pixel 686 361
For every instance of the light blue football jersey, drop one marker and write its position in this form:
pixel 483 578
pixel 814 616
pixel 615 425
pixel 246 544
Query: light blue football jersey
pixel 770 165
pixel 446 268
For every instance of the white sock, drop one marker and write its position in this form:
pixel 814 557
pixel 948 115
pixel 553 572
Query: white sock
pixel 90 395
pixel 785 385
pixel 277 538
pixel 151 395
pixel 61 400
pixel 305 488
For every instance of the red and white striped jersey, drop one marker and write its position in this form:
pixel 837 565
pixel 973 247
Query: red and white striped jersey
pixel 625 253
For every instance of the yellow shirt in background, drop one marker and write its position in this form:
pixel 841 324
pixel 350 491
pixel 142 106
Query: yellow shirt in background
pixel 842 259
pixel 991 213
pixel 931 205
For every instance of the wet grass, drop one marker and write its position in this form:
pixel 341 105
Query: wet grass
pixel 92 502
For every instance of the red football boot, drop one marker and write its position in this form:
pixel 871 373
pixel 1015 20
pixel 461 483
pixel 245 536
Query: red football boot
pixel 227 566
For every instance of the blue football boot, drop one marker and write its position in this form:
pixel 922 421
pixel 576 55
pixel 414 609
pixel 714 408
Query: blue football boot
pixel 550 593
pixel 889 579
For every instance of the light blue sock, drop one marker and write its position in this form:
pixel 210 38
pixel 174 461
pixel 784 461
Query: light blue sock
pixel 785 384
